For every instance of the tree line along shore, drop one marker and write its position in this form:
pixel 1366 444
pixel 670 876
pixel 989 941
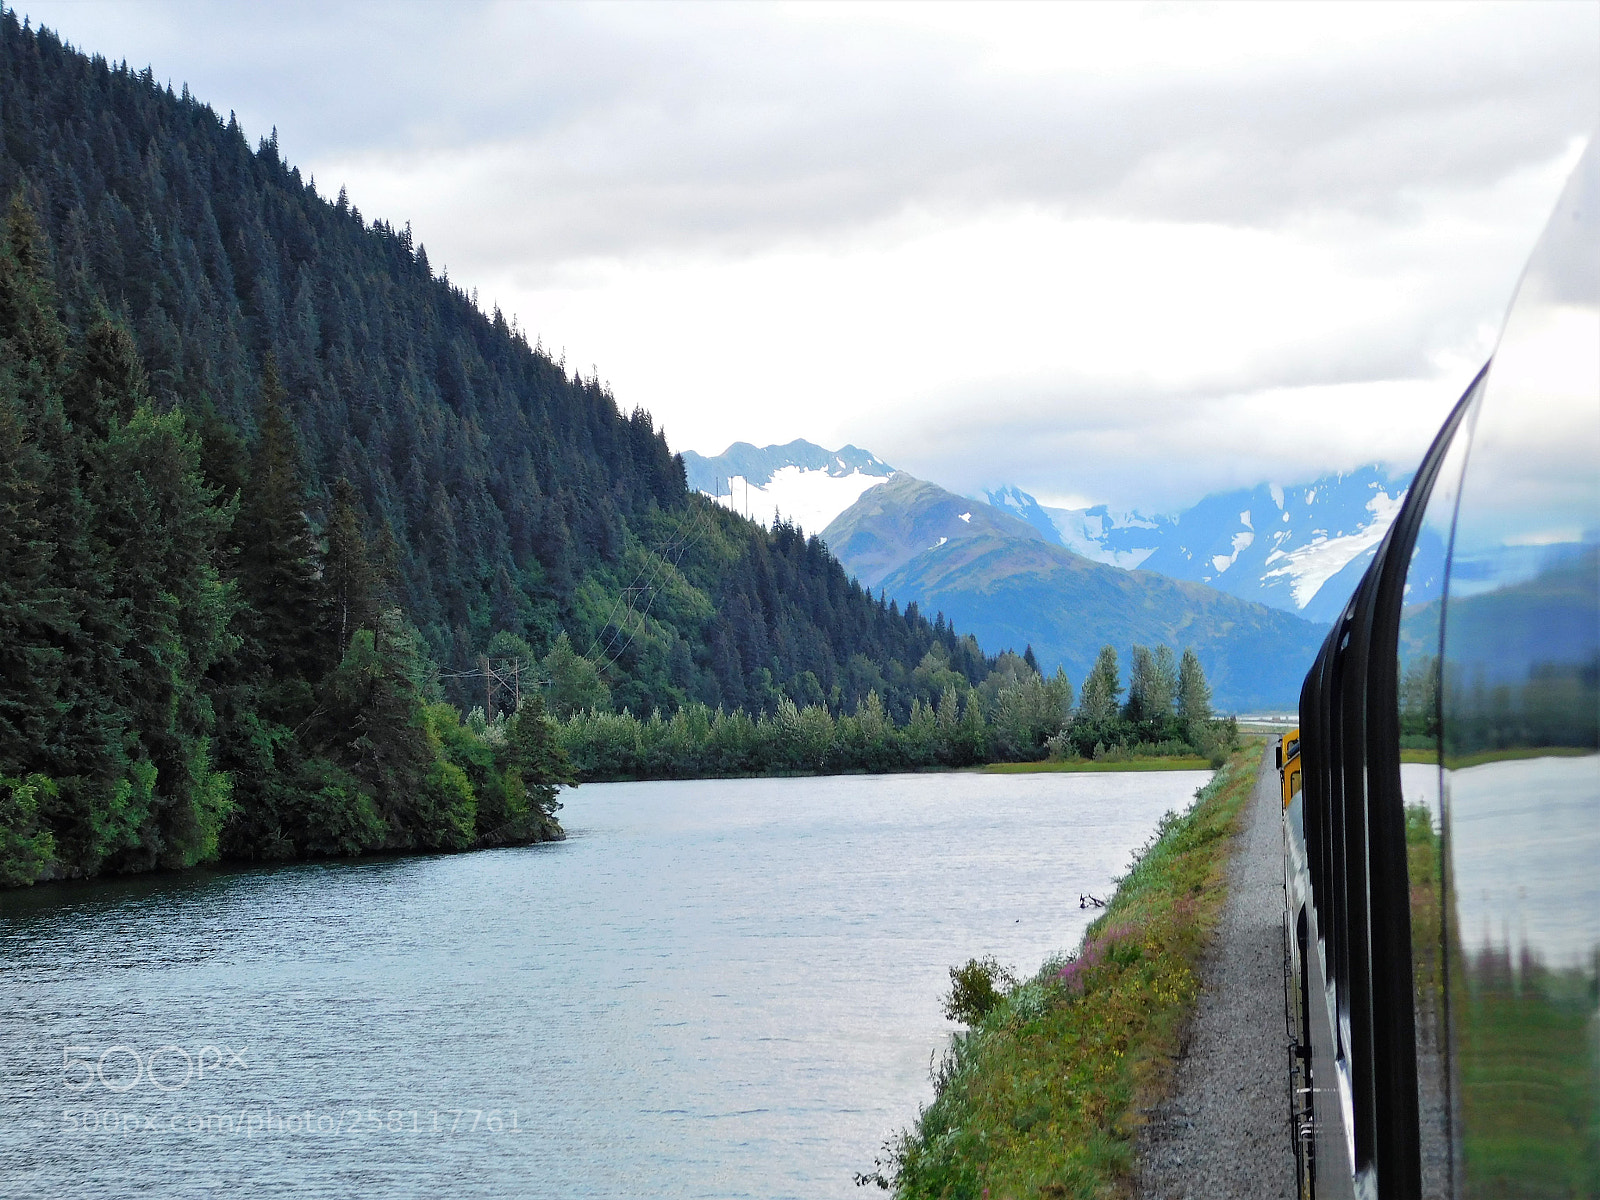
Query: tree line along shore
pixel 1017 715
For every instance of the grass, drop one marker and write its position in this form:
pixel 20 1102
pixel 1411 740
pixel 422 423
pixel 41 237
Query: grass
pixel 1183 763
pixel 1530 1111
pixel 1529 1104
pixel 1042 1097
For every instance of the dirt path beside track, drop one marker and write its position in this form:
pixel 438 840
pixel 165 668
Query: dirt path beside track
pixel 1224 1134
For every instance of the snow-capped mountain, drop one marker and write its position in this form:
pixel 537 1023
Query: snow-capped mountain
pixel 1298 548
pixel 1002 579
pixel 800 482
pixel 1120 539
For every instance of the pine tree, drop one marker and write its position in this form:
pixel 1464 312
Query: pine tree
pixel 163 528
pixel 371 721
pixel 277 565
pixel 575 683
pixel 27 658
pixel 533 759
pixel 109 382
pixel 350 583
pixel 74 632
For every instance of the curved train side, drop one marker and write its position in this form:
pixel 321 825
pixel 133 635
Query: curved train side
pixel 1441 795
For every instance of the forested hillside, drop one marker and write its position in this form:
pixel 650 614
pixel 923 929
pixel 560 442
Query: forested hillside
pixel 272 488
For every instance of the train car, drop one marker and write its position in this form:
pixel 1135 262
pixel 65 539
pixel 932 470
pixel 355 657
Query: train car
pixel 1442 793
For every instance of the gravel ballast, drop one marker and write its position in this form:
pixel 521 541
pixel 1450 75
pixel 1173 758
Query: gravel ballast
pixel 1224 1134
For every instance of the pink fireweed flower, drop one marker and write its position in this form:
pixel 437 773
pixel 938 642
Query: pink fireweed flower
pixel 1093 955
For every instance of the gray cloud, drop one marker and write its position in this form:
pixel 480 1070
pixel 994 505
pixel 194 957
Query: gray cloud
pixel 612 131
pixel 531 139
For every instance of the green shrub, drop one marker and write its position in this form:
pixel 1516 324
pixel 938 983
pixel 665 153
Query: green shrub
pixel 976 989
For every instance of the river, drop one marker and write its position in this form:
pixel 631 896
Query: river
pixel 711 989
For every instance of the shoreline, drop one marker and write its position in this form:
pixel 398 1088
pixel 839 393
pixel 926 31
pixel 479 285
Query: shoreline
pixel 1175 763
pixel 1047 1091
pixel 1044 766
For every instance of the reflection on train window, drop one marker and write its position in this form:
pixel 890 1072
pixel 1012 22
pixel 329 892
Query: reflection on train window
pixel 1519 692
pixel 1417 695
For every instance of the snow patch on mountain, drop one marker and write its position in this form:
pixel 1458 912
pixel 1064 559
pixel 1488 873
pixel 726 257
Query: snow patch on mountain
pixel 809 499
pixel 1310 566
pixel 1241 542
pixel 1312 535
pixel 1118 539
pixel 800 482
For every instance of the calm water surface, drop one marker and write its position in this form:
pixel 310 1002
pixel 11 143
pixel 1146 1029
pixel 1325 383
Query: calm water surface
pixel 711 989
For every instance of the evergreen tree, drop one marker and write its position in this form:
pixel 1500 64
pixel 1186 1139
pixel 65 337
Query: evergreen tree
pixel 350 583
pixel 108 383
pixel 531 749
pixel 277 568
pixel 1194 697
pixel 163 526
pixel 372 721
pixel 29 609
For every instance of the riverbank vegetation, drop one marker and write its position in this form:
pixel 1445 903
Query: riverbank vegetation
pixel 1016 715
pixel 1041 1096
pixel 187 667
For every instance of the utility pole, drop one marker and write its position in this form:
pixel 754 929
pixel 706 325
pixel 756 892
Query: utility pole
pixel 488 688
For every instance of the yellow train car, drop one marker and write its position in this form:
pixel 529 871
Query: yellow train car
pixel 1289 765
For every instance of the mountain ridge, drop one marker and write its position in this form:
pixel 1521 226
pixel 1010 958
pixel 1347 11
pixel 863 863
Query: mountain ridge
pixel 1294 548
pixel 1000 578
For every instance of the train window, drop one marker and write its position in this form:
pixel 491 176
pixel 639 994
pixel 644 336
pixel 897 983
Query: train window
pixel 1417 695
pixel 1519 701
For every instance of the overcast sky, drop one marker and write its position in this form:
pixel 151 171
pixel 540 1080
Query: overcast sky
pixel 1126 253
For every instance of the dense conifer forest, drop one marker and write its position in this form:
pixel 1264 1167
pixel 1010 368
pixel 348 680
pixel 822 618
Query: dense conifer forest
pixel 1015 715
pixel 275 499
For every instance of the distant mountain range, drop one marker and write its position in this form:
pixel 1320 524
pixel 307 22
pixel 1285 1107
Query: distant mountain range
pixel 1299 548
pixel 801 482
pixel 1002 579
pixel 1007 569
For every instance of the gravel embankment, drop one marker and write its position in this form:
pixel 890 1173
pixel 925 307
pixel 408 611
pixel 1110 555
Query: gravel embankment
pixel 1224 1134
